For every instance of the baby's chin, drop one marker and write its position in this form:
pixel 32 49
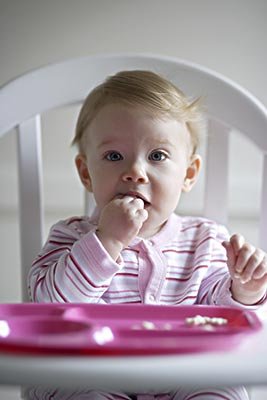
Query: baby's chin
pixel 149 229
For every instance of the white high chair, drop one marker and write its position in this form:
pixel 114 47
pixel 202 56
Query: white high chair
pixel 23 101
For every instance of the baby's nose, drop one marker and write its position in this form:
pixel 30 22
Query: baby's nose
pixel 135 173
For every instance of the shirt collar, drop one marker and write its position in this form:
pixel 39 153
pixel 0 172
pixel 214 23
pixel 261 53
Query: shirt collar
pixel 166 233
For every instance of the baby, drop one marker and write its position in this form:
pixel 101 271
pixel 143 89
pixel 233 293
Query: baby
pixel 137 136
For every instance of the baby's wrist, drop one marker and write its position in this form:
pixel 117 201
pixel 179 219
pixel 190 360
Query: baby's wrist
pixel 113 246
pixel 246 297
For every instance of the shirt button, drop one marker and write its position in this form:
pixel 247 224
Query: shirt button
pixel 150 243
pixel 151 298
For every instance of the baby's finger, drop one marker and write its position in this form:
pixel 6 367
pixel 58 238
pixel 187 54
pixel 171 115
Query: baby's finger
pixel 252 265
pixel 138 203
pixel 243 257
pixel 142 214
pixel 231 258
pixel 128 199
pixel 237 241
pixel 261 270
pixel 135 201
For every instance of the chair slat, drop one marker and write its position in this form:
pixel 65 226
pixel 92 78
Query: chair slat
pixel 263 212
pixel 216 183
pixel 30 195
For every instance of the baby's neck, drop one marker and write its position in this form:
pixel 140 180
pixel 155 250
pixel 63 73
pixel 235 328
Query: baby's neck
pixel 148 233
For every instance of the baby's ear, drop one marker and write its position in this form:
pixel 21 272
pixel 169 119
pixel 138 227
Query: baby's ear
pixel 192 172
pixel 83 171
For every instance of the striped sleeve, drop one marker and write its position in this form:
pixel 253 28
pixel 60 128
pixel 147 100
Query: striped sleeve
pixel 73 266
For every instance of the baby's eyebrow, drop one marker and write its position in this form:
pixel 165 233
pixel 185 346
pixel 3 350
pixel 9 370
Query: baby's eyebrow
pixel 106 142
pixel 162 142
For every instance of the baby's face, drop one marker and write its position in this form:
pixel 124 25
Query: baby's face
pixel 131 153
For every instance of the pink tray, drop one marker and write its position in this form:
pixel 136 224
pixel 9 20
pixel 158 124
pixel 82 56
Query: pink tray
pixel 101 330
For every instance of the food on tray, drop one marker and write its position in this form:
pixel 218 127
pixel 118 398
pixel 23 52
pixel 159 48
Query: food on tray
pixel 208 323
pixel 202 320
pixel 150 326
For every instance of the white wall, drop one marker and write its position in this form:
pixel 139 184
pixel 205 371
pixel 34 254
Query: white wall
pixel 228 36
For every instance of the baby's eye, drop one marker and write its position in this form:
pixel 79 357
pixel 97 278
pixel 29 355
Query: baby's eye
pixel 113 156
pixel 157 155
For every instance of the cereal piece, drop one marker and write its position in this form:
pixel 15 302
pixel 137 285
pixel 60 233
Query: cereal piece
pixel 218 321
pixel 202 320
pixel 148 325
pixel 197 320
pixel 208 327
pixel 167 326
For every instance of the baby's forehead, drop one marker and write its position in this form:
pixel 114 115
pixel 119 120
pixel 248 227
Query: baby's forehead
pixel 118 113
pixel 116 125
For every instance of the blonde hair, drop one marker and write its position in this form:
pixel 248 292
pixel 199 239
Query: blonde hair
pixel 156 95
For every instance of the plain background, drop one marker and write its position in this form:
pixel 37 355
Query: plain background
pixel 227 36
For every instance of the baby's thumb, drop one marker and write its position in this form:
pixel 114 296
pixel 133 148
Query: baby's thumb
pixel 231 258
pixel 142 214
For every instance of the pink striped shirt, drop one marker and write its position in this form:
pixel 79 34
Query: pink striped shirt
pixel 184 263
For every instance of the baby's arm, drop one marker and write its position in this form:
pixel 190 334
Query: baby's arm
pixel 73 265
pixel 119 222
pixel 77 265
pixel 248 269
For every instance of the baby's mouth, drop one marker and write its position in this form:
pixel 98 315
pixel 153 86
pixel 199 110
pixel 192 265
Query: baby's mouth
pixel 146 203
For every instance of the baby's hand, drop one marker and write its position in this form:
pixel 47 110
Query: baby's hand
pixel 120 221
pixel 248 269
